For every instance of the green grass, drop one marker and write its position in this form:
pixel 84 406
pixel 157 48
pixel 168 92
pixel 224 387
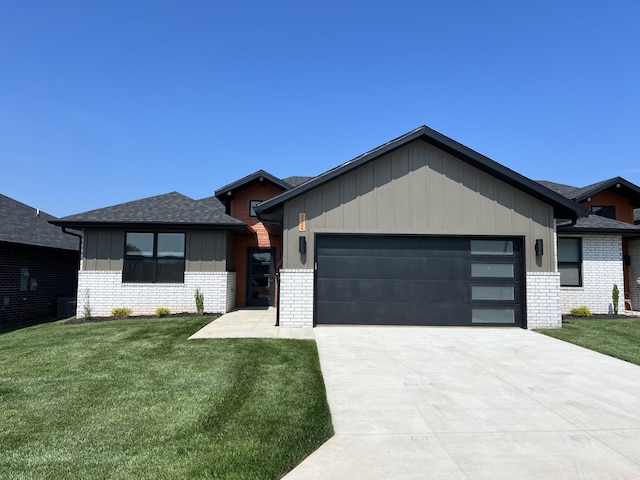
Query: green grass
pixel 136 399
pixel 618 338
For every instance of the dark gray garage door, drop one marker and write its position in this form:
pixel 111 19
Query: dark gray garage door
pixel 419 280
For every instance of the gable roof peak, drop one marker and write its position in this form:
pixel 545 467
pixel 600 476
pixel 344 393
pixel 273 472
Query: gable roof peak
pixel 563 207
pixel 258 176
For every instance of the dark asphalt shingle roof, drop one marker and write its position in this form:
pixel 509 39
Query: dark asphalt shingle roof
pixel 564 190
pixel 170 208
pixel 296 180
pixel 579 194
pixel 596 223
pixel 20 224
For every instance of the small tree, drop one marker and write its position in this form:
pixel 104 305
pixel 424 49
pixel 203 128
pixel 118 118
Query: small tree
pixel 86 307
pixel 615 295
pixel 199 296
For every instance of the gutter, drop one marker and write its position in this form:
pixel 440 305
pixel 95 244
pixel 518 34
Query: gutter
pixel 570 223
pixel 64 230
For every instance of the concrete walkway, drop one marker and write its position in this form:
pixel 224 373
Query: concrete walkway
pixel 456 403
pixel 250 323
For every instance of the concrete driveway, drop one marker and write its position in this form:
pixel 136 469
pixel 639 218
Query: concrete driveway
pixel 458 403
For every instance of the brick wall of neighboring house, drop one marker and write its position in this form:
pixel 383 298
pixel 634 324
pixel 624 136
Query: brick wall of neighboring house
pixel 543 300
pixel 49 274
pixel 296 298
pixel 240 209
pixel 624 210
pixel 634 273
pixel 601 269
pixel 104 291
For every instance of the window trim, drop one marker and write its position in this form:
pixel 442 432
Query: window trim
pixel 154 258
pixel 571 264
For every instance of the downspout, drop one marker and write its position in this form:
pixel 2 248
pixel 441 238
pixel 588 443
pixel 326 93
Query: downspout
pixel 570 223
pixel 278 266
pixel 64 230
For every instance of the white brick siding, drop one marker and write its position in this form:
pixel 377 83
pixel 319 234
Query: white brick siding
pixel 296 298
pixel 543 300
pixel 601 269
pixel 106 291
pixel 634 273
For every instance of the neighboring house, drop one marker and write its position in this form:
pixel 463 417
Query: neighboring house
pixel 602 249
pixel 419 231
pixel 38 265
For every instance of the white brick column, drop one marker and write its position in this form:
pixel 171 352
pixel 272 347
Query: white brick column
pixel 543 300
pixel 296 298
pixel 634 273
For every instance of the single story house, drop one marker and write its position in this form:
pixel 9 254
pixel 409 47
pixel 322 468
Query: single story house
pixel 419 231
pixel 600 250
pixel 38 265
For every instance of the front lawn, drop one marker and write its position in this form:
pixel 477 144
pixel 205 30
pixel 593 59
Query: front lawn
pixel 618 338
pixel 136 399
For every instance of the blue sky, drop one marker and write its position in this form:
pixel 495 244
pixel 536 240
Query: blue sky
pixel 102 102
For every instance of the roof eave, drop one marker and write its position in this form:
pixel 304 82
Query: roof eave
pixel 259 176
pixel 635 202
pixel 563 207
pixel 190 226
pixel 630 232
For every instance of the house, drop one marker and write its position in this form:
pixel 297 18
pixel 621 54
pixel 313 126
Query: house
pixel 155 252
pixel 600 250
pixel 38 265
pixel 419 231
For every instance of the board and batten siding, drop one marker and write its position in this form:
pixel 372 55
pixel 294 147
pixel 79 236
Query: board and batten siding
pixel 206 251
pixel 419 189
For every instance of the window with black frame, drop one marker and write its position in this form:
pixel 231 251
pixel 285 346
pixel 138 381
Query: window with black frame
pixel 570 262
pixel 154 257
pixel 608 211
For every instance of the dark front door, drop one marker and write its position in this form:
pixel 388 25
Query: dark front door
pixel 260 276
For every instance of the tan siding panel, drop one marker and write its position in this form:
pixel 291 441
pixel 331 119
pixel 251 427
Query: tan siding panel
pixel 384 195
pixel 419 189
pixel 90 247
pixel 401 179
pixel 206 251
pixel 366 201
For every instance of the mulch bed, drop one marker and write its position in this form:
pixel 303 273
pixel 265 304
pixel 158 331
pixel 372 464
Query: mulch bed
pixel 80 320
pixel 597 316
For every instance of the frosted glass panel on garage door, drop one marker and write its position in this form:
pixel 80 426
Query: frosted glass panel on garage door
pixel 492 270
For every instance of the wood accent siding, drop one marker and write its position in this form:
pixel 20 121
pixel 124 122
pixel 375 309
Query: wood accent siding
pixel 624 210
pixel 240 208
pixel 420 189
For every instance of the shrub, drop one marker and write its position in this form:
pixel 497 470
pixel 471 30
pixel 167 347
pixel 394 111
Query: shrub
pixel 615 295
pixel 581 312
pixel 162 311
pixel 86 308
pixel 121 312
pixel 199 296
